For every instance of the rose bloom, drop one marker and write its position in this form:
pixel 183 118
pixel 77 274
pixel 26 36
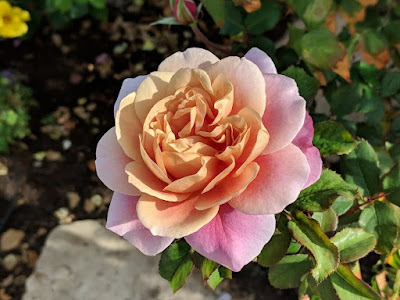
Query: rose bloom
pixel 207 150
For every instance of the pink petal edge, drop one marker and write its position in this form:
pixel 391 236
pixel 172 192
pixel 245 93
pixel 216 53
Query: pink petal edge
pixel 262 60
pixel 281 177
pixel 285 111
pixel 190 58
pixel 129 85
pixel 233 239
pixel 303 140
pixel 122 219
pixel 110 165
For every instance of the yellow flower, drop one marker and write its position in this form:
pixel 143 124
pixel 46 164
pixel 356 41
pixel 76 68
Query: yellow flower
pixel 12 20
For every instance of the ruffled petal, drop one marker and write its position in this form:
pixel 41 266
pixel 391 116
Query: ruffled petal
pixel 233 239
pixel 191 58
pixel 173 219
pixel 128 127
pixel 303 140
pixel 123 220
pixel 285 111
pixel 129 85
pixel 145 181
pixel 247 80
pixel 281 177
pixel 152 89
pixel 262 60
pixel 110 165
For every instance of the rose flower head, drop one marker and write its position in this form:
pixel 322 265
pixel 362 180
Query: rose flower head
pixel 207 150
pixel 185 11
pixel 12 20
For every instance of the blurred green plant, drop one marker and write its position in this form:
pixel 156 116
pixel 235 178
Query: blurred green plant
pixel 61 13
pixel 15 100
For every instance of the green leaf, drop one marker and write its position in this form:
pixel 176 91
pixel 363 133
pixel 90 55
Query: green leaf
pixel 391 31
pixel 218 276
pixel 320 195
pixel 63 5
pixel 287 273
pixel 391 184
pixel 313 12
pixel 327 54
pixel 166 21
pixel 344 99
pixel 360 167
pixel 390 84
pixel 385 161
pixel 332 138
pixel 274 250
pixel 176 264
pixel 380 219
pixel 370 74
pixel 99 4
pixel 208 267
pixel 308 233
pixel 348 286
pixel 342 205
pixel 263 19
pixel 308 85
pixel 323 290
pixel 328 220
pixel 99 13
pixel 78 11
pixel 216 9
pixel 234 20
pixel 353 243
pixel 374 42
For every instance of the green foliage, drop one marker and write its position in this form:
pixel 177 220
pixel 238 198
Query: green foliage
pixel 288 272
pixel 361 168
pixel 176 264
pixel 353 244
pixel 263 19
pixel 15 99
pixel 332 138
pixel 321 195
pixel 308 233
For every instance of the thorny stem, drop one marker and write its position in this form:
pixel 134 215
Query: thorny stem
pixel 369 201
pixel 210 45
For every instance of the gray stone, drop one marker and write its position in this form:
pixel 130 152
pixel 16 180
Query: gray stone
pixel 83 260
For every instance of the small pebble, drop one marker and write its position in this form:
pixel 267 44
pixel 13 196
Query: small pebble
pixel 96 199
pixel 3 169
pixel 73 199
pixel 11 239
pixel 61 213
pixel 10 262
pixel 66 144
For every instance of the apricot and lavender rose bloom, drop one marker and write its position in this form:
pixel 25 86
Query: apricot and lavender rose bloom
pixel 208 150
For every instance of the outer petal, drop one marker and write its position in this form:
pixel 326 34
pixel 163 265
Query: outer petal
pixel 123 220
pixel 128 127
pixel 285 111
pixel 281 178
pixel 129 85
pixel 233 239
pixel 262 60
pixel 172 219
pixel 110 165
pixel 303 140
pixel 247 81
pixel 191 58
pixel 150 91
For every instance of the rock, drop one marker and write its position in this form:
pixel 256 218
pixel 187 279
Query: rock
pixel 3 169
pixel 73 199
pixel 61 213
pixel 83 260
pixel 97 200
pixel 10 261
pixel 11 239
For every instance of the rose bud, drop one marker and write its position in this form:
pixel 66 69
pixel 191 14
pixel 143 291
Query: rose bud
pixel 185 11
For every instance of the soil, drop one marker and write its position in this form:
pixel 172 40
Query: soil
pixel 76 75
